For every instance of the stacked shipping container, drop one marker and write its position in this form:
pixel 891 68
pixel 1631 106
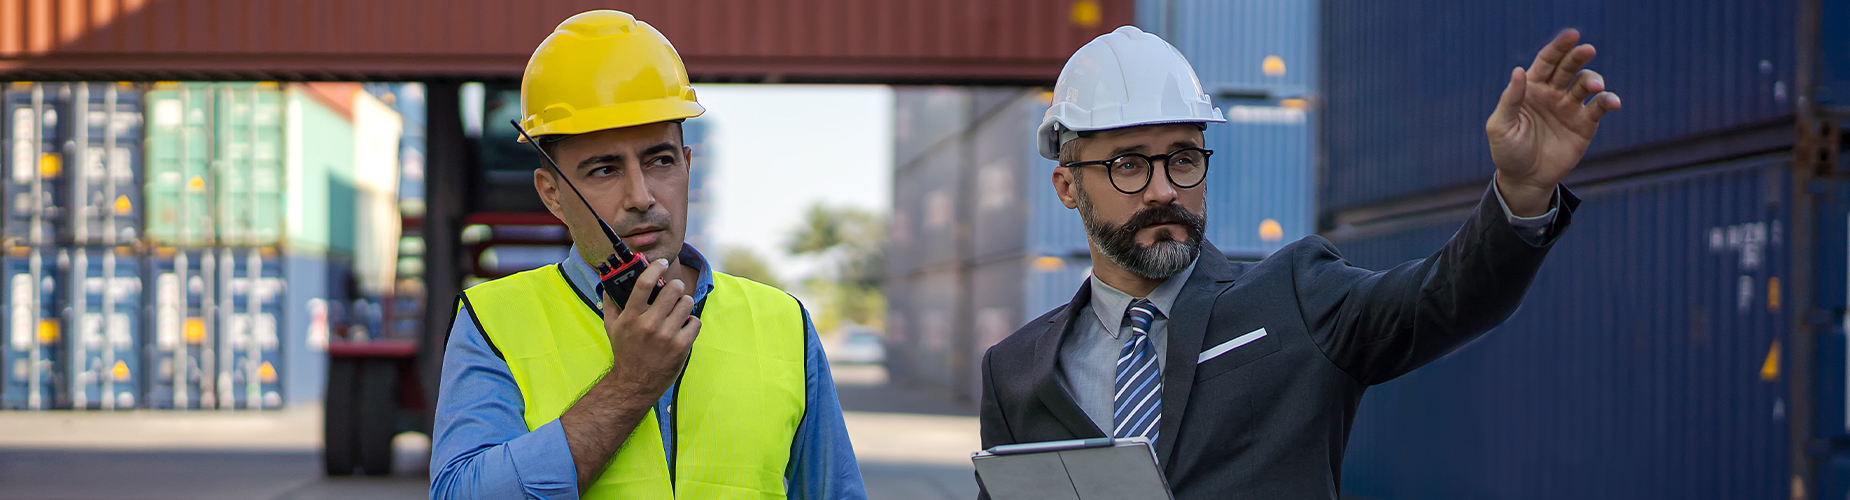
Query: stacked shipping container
pixel 979 242
pixel 1685 338
pixel 101 312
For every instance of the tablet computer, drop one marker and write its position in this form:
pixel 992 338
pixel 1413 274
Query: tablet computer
pixel 1078 469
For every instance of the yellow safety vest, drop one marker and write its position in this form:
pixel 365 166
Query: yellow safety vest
pixel 737 406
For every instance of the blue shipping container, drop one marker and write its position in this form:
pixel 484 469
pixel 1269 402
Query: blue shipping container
pixel 1261 179
pixel 104 154
pixel 1253 48
pixel 1408 85
pixel 248 313
pixel 103 327
pixel 180 356
pixel 309 300
pixel 1645 362
pixel 34 159
pixel 33 355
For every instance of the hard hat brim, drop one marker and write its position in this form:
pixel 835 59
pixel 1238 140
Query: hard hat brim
pixel 630 114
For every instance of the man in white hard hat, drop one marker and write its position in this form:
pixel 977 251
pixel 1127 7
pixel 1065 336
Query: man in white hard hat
pixel 1246 376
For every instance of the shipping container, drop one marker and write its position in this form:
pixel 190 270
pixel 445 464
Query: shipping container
pixel 247 314
pixel 102 312
pixel 247 163
pixel 181 297
pixel 697 134
pixel 37 200
pixel 309 301
pixel 953 41
pixel 319 152
pixel 1646 361
pixel 34 356
pixel 933 188
pixel 377 224
pixel 1408 111
pixel 103 149
pixel 936 338
pixel 1011 190
pixel 1248 48
pixel 179 203
pixel 1261 180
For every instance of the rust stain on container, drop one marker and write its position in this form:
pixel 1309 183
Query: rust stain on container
pixel 946 41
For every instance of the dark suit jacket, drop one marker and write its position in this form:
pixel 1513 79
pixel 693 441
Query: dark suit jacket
pixel 1269 419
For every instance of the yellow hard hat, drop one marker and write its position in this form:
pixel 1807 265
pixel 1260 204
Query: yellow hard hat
pixel 601 70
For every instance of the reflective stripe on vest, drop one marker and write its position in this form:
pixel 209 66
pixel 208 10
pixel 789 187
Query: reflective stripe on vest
pixel 738 405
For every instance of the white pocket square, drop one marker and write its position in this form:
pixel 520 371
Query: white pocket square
pixel 1230 345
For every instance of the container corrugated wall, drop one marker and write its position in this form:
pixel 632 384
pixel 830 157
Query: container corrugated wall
pixel 181 358
pixel 973 211
pixel 1256 48
pixel 1637 367
pixel 33 356
pixel 1410 110
pixel 1261 180
pixel 37 200
pixel 179 204
pixel 1023 41
pixel 103 315
pixel 104 133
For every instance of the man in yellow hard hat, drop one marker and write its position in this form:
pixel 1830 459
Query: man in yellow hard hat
pixel 550 389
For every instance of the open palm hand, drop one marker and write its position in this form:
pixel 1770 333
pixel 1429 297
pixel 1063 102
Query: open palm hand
pixel 1544 121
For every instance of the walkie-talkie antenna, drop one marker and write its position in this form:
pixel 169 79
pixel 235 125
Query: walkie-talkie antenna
pixel 620 271
pixel 568 183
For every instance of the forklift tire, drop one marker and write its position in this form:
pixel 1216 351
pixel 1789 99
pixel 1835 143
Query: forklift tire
pixel 378 415
pixel 338 436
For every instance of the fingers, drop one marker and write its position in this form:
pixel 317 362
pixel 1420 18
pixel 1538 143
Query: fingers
pixel 688 332
pixel 1551 55
pixel 1576 59
pixel 1588 83
pixel 639 295
pixel 677 318
pixel 1512 97
pixel 653 315
pixel 1602 103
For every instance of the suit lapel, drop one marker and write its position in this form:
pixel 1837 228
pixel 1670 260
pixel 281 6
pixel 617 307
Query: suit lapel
pixel 1188 326
pixel 1045 373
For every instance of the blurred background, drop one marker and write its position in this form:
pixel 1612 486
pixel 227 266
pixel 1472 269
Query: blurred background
pixel 233 231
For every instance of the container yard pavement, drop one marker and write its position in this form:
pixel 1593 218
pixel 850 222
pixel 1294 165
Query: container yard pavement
pixel 912 446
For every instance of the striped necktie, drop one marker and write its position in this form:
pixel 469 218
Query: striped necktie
pixel 1138 405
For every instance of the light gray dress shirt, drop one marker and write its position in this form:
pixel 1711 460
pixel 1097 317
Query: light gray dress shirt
pixel 1089 357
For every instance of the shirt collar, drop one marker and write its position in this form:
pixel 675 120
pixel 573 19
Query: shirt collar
pixel 584 278
pixel 1109 304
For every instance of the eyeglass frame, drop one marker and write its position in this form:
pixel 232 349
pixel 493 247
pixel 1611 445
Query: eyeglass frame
pixel 1150 168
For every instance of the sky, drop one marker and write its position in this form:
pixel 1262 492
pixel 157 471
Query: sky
pixel 778 149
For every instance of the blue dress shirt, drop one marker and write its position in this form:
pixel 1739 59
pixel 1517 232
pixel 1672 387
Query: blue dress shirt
pixel 482 448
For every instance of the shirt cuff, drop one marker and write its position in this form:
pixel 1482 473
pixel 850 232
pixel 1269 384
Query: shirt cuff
pixel 1532 230
pixel 543 462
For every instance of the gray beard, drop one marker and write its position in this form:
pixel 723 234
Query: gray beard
pixel 1166 258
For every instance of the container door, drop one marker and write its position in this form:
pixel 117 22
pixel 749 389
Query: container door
pixel 33 331
pixel 180 354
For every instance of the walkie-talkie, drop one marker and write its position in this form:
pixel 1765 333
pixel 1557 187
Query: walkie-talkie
pixel 621 269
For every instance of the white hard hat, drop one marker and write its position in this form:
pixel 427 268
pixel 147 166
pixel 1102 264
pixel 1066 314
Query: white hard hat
pixel 1124 78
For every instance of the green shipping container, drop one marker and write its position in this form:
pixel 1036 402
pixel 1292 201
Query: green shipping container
pixel 248 144
pixel 215 164
pixel 179 154
pixel 320 206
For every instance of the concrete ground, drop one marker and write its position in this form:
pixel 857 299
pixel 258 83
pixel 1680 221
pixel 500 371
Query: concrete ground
pixel 912 445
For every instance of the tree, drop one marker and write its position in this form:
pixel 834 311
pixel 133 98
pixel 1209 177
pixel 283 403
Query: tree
pixel 745 263
pixel 852 241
